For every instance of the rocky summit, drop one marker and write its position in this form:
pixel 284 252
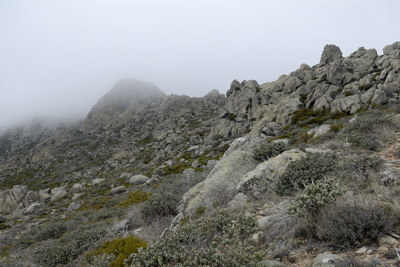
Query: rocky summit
pixel 301 171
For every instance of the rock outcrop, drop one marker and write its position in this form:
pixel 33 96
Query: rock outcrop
pixel 220 185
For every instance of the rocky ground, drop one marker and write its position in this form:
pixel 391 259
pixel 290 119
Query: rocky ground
pixel 313 158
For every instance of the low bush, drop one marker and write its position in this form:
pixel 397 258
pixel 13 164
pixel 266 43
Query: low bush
pixel 48 230
pixel 120 248
pixel 306 116
pixel 70 246
pixel 369 131
pixel 314 197
pixel 269 150
pixel 354 223
pixel 160 205
pixel 220 240
pixel 336 127
pixel 51 230
pixel 307 170
pixel 106 213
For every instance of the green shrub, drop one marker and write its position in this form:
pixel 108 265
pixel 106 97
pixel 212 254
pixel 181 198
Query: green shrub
pixel 102 260
pixel 106 213
pixel 269 150
pixel 369 131
pixel 70 246
pixel 48 230
pixel 219 240
pixel 135 197
pixel 120 248
pixel 314 197
pixel 307 170
pixel 176 168
pixel 51 230
pixel 160 205
pixel 355 223
pixel 4 226
pixel 52 255
pixel 306 116
pixel 336 127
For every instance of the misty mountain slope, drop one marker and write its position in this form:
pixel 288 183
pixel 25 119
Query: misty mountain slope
pixel 142 158
pixel 126 93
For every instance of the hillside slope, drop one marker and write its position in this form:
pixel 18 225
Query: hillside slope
pixel 287 154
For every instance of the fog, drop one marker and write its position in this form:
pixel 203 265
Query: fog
pixel 57 58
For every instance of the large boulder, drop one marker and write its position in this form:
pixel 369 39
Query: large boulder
pixel 34 209
pixel 327 260
pixel 138 179
pixel 11 198
pixel 330 54
pixel 391 49
pixel 350 104
pixel 219 188
pixel 58 193
pixel 260 180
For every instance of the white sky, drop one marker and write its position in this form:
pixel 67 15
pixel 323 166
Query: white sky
pixel 58 57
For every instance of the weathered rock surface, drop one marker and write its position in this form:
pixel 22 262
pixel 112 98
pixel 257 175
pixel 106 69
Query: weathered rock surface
pixel 326 260
pixel 11 198
pixel 260 180
pixel 138 179
pixel 58 193
pixel 219 186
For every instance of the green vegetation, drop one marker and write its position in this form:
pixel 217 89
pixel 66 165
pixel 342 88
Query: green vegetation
pixel 135 197
pixel 305 171
pixel 370 130
pixel 336 127
pixel 314 197
pixel 96 203
pixel 176 168
pixel 355 223
pixel 219 240
pixel 269 150
pixel 69 246
pixel 160 205
pixel 120 249
pixel 306 116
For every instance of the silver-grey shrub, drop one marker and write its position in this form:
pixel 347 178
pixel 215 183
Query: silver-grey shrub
pixel 269 150
pixel 305 171
pixel 218 240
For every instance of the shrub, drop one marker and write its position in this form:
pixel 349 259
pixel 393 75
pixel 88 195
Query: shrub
pixel 300 173
pixel 135 197
pixel 102 260
pixel 176 168
pixel 336 127
pixel 50 230
pixel 220 240
pixel 70 246
pixel 4 226
pixel 369 131
pixel 307 116
pixel 51 255
pixel 160 205
pixel 352 261
pixel 269 150
pixel 120 248
pixel 355 223
pixel 314 197
pixel 105 213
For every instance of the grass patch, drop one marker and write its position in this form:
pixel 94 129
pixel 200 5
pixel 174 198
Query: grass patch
pixel 135 197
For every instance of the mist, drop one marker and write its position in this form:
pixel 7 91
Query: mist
pixel 57 58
